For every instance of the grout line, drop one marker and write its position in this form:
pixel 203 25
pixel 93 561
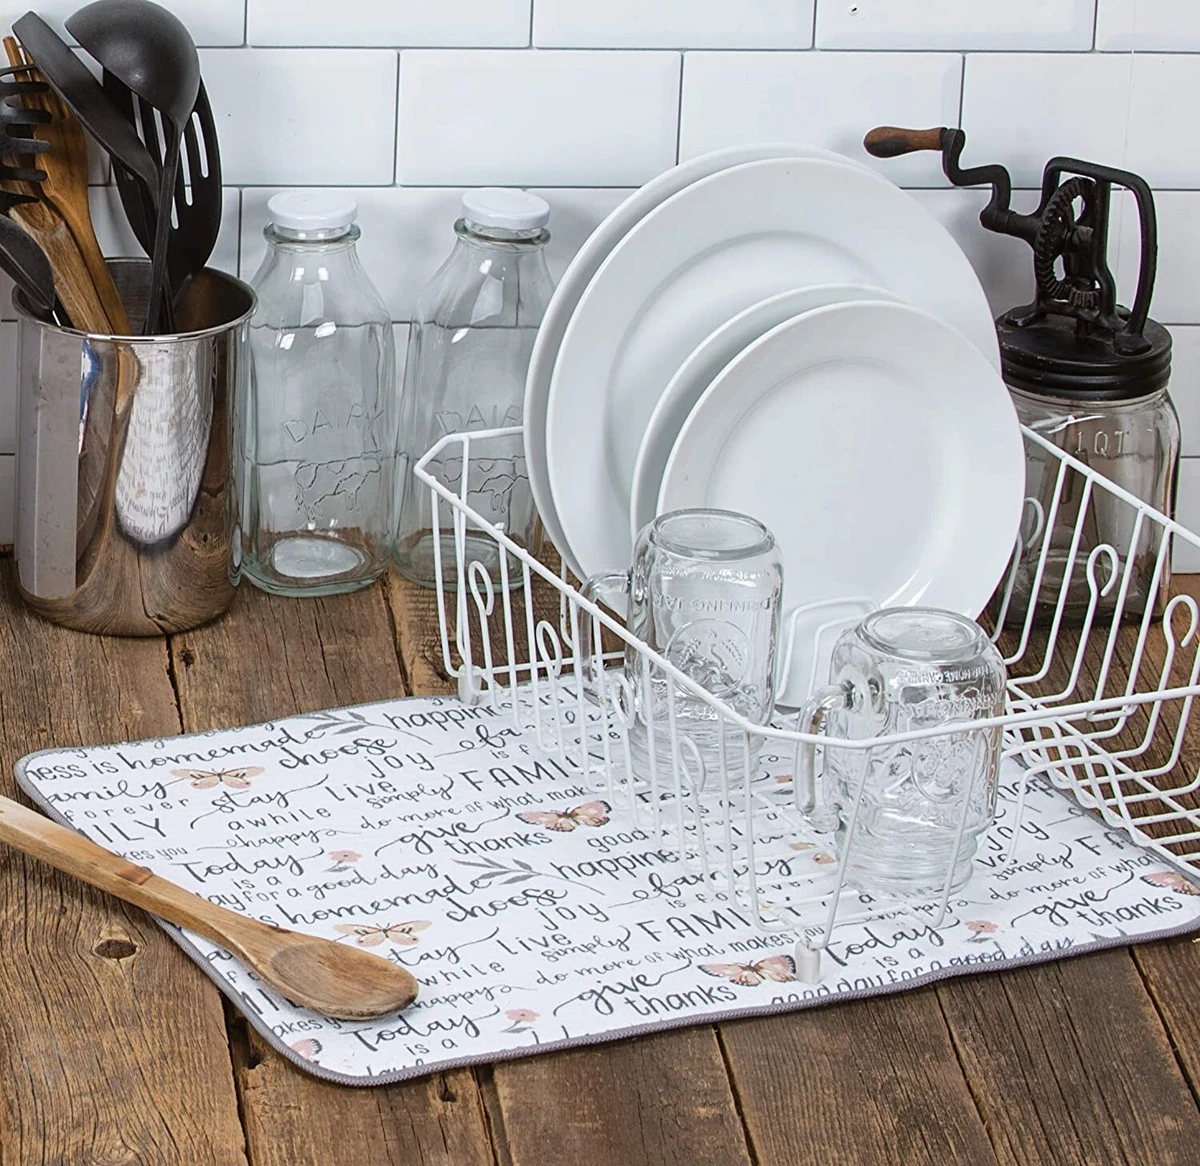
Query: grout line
pixel 240 213
pixel 962 90
pixel 814 24
pixel 679 113
pixel 1095 22
pixel 531 44
pixel 396 122
pixel 675 46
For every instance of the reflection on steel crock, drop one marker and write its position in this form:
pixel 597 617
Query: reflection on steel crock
pixel 123 462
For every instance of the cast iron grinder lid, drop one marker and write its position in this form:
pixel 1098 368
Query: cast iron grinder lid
pixel 1074 340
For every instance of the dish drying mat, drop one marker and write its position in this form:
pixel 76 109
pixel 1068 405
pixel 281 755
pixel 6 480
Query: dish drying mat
pixel 442 838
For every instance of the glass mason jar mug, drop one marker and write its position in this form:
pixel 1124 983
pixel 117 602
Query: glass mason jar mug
pixel 911 814
pixel 315 433
pixel 704 593
pixel 468 352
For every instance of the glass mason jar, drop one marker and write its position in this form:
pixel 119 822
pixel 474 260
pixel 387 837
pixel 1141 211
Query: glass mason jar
pixel 315 436
pixel 468 353
pixel 704 592
pixel 1134 443
pixel 909 815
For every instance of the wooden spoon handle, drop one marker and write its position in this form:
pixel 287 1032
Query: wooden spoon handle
pixel 79 222
pixel 72 280
pixel 36 835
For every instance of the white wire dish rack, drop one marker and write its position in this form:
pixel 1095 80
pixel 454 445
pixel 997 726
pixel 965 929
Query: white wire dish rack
pixel 1100 691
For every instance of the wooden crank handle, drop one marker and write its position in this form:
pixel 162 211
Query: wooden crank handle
pixel 891 141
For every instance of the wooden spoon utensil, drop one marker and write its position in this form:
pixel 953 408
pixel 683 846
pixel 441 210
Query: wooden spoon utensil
pixel 66 183
pixel 72 279
pixel 344 982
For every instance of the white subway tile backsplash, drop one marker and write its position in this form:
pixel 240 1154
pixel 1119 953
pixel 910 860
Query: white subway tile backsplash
pixel 1185 385
pixel 1163 137
pixel 1154 25
pixel 583 101
pixel 1004 265
pixel 211 22
pixel 823 99
pixel 1186 558
pixel 953 24
pixel 1176 292
pixel 671 24
pixel 551 118
pixel 407 233
pixel 374 23
pixel 8 498
pixel 116 238
pixel 303 116
pixel 1021 109
pixel 8 392
pixel 574 215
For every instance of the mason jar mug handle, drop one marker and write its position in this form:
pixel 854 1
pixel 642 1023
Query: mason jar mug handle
pixel 810 799
pixel 596 590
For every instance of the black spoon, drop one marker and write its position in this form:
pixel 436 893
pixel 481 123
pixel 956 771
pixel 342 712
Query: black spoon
pixel 26 264
pixel 150 50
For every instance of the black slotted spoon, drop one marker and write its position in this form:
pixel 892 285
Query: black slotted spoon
pixel 198 194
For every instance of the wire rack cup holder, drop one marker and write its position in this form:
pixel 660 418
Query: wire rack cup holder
pixel 1110 733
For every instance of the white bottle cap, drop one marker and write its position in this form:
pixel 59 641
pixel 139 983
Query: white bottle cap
pixel 511 210
pixel 312 210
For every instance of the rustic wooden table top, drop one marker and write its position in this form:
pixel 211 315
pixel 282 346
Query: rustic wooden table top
pixel 115 1048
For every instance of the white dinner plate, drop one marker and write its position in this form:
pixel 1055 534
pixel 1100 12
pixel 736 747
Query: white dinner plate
pixel 587 262
pixel 694 262
pixel 696 373
pixel 881 448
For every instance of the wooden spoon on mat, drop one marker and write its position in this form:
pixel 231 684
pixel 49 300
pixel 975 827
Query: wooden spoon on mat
pixel 66 185
pixel 343 982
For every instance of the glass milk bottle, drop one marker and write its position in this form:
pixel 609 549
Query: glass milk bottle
pixel 468 353
pixel 315 437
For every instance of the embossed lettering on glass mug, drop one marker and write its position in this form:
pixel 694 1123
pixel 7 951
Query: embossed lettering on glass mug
pixel 909 814
pixel 704 592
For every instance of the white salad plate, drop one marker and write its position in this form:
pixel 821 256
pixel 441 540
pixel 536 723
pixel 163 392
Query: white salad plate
pixel 881 448
pixel 699 370
pixel 704 255
pixel 587 262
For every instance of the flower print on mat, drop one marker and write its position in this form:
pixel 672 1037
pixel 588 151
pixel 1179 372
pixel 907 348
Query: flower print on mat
pixel 309 1048
pixel 343 859
pixel 981 930
pixel 211 778
pixel 587 814
pixel 777 968
pixel 1172 880
pixel 370 935
pixel 522 1019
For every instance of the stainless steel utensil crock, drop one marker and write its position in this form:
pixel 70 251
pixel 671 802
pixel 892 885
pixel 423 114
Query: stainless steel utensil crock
pixel 123 461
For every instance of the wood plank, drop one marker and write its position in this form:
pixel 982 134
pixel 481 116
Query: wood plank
pixel 865 1082
pixel 664 1098
pixel 112 1042
pixel 270 658
pixel 1069 1063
